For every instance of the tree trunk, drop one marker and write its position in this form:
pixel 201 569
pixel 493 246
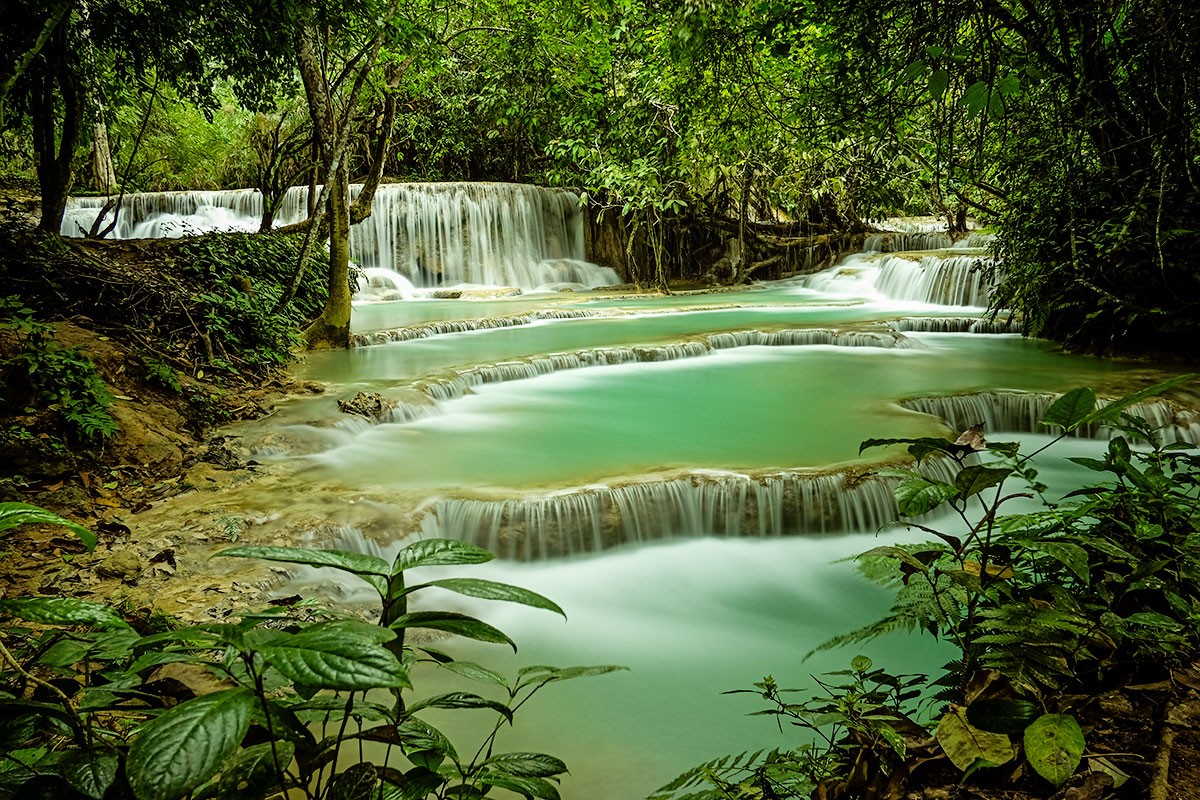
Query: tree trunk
pixel 103 174
pixel 55 149
pixel 332 328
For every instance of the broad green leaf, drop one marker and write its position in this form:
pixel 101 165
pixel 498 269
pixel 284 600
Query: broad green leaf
pixel 461 700
pixel 529 765
pixel 531 675
pixel 1154 619
pixel 438 553
pixel 939 81
pixel 417 734
pixel 476 672
pixel 1071 410
pixel 90 772
pixel 492 590
pixel 13 515
pixel 356 782
pixel 184 747
pixel 975 98
pixel 332 659
pixel 255 770
pixel 62 611
pixel 1070 555
pixel 917 496
pixel 453 623
pixel 529 787
pixel 1002 715
pixel 964 744
pixel 1054 746
pixel 371 569
pixel 973 480
pixel 1112 410
pixel 356 628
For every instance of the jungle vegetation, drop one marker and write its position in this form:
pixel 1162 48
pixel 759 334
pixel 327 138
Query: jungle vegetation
pixel 702 129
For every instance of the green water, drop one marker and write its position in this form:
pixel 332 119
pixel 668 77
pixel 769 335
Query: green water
pixel 690 618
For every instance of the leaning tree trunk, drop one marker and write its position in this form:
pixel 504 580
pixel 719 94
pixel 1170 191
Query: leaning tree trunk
pixel 332 328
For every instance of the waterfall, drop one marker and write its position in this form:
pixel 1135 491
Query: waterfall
pixel 461 381
pixel 444 327
pixel 957 280
pixel 953 325
pixel 904 242
pixel 495 234
pixel 700 504
pixel 1020 412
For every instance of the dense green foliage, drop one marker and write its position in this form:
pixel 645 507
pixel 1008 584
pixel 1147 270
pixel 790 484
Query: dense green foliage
pixel 97 704
pixel 244 275
pixel 1069 127
pixel 39 373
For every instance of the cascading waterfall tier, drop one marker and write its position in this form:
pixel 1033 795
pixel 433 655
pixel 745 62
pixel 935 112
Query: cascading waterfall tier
pixel 904 242
pixel 456 385
pixel 1021 412
pixel 494 234
pixel 955 280
pixel 593 519
pixel 954 325
pixel 443 327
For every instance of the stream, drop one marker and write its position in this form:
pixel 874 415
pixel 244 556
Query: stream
pixel 680 473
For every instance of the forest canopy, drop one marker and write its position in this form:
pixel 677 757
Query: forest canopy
pixel 1072 128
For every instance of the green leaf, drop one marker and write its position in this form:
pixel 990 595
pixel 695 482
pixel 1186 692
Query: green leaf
pixel 975 98
pixel 1002 715
pixel 964 744
pixel 916 496
pixel 529 765
pixel 438 553
pixel 255 770
pixel 973 480
pixel 454 623
pixel 355 782
pixel 476 672
pixel 329 658
pixel 371 569
pixel 181 749
pixel 13 515
pixel 1154 619
pixel 1054 745
pixel 1071 410
pixel 492 590
pixel 1071 556
pixel 939 81
pixel 461 700
pixel 529 787
pixel 62 611
pixel 90 772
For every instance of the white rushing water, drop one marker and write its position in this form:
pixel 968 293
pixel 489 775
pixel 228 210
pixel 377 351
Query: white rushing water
pixel 430 234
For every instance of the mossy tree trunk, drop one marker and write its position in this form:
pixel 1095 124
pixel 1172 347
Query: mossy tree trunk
pixel 332 328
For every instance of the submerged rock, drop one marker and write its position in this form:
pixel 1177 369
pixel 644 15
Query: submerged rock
pixel 371 405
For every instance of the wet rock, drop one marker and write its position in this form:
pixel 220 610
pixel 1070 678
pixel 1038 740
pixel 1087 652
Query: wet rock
pixel 370 405
pixel 145 441
pixel 447 294
pixel 225 454
pixel 123 564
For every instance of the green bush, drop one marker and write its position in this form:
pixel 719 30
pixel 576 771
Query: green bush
pixel 245 275
pixel 270 704
pixel 40 372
